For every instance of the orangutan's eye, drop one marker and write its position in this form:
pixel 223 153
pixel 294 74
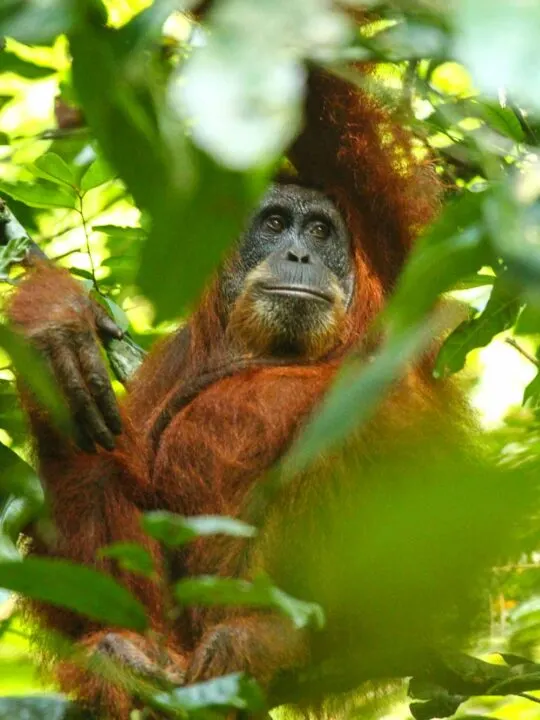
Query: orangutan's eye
pixel 320 230
pixel 275 223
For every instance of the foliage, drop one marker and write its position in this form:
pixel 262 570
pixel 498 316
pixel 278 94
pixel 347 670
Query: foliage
pixel 133 144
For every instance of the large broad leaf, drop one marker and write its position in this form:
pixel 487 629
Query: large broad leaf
pixel 75 587
pixel 36 374
pixel 191 234
pixel 207 590
pixel 230 691
pixel 173 530
pixel 197 208
pixel 360 386
pixel 184 202
pixel 452 249
pixel 125 129
pixel 35 21
pixel 499 314
pixel 513 221
pixel 498 41
pixel 42 194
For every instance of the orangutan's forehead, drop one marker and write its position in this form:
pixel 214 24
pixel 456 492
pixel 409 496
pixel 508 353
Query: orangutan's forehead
pixel 298 198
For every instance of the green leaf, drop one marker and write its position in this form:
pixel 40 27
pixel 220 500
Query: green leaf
pixel 19 478
pixel 130 557
pixel 119 232
pixel 173 530
pixel 97 174
pixel 123 125
pixel 360 386
pixel 211 591
pixel 39 707
pixel 474 281
pixel 230 691
pixel 531 394
pixel 443 706
pixel 35 23
pixel 146 28
pixel 75 587
pixel 483 30
pixel 54 168
pixel 36 374
pixel 16 248
pixel 112 309
pixel 8 551
pixel 11 415
pixel 500 314
pixel 452 249
pixel 520 683
pixel 15 515
pixel 529 321
pixel 186 243
pixel 23 501
pixel 502 119
pixel 119 315
pixel 514 232
pixel 12 63
pixel 42 194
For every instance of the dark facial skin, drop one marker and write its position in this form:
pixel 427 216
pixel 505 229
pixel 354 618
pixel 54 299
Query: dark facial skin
pixel 291 281
pixel 302 236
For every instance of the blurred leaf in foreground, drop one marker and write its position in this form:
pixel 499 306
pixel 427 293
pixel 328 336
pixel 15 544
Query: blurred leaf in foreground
pixel 209 591
pixel 498 42
pixel 174 530
pixel 230 691
pixel 35 21
pixel 75 587
pixel 242 90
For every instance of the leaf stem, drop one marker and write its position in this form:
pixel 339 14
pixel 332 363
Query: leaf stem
pixel 527 355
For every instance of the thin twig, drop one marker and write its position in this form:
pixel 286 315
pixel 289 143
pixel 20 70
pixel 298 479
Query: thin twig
pixel 522 351
pixel 88 248
pixel 110 203
pixel 66 254
pixel 529 697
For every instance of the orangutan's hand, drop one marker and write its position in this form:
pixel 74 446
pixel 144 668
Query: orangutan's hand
pixel 55 313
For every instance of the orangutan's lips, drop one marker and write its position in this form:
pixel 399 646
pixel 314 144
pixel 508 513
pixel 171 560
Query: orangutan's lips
pixel 302 291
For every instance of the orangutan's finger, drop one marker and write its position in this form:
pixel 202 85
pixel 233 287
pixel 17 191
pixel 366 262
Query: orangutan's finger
pixel 83 407
pixel 98 382
pixel 105 325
